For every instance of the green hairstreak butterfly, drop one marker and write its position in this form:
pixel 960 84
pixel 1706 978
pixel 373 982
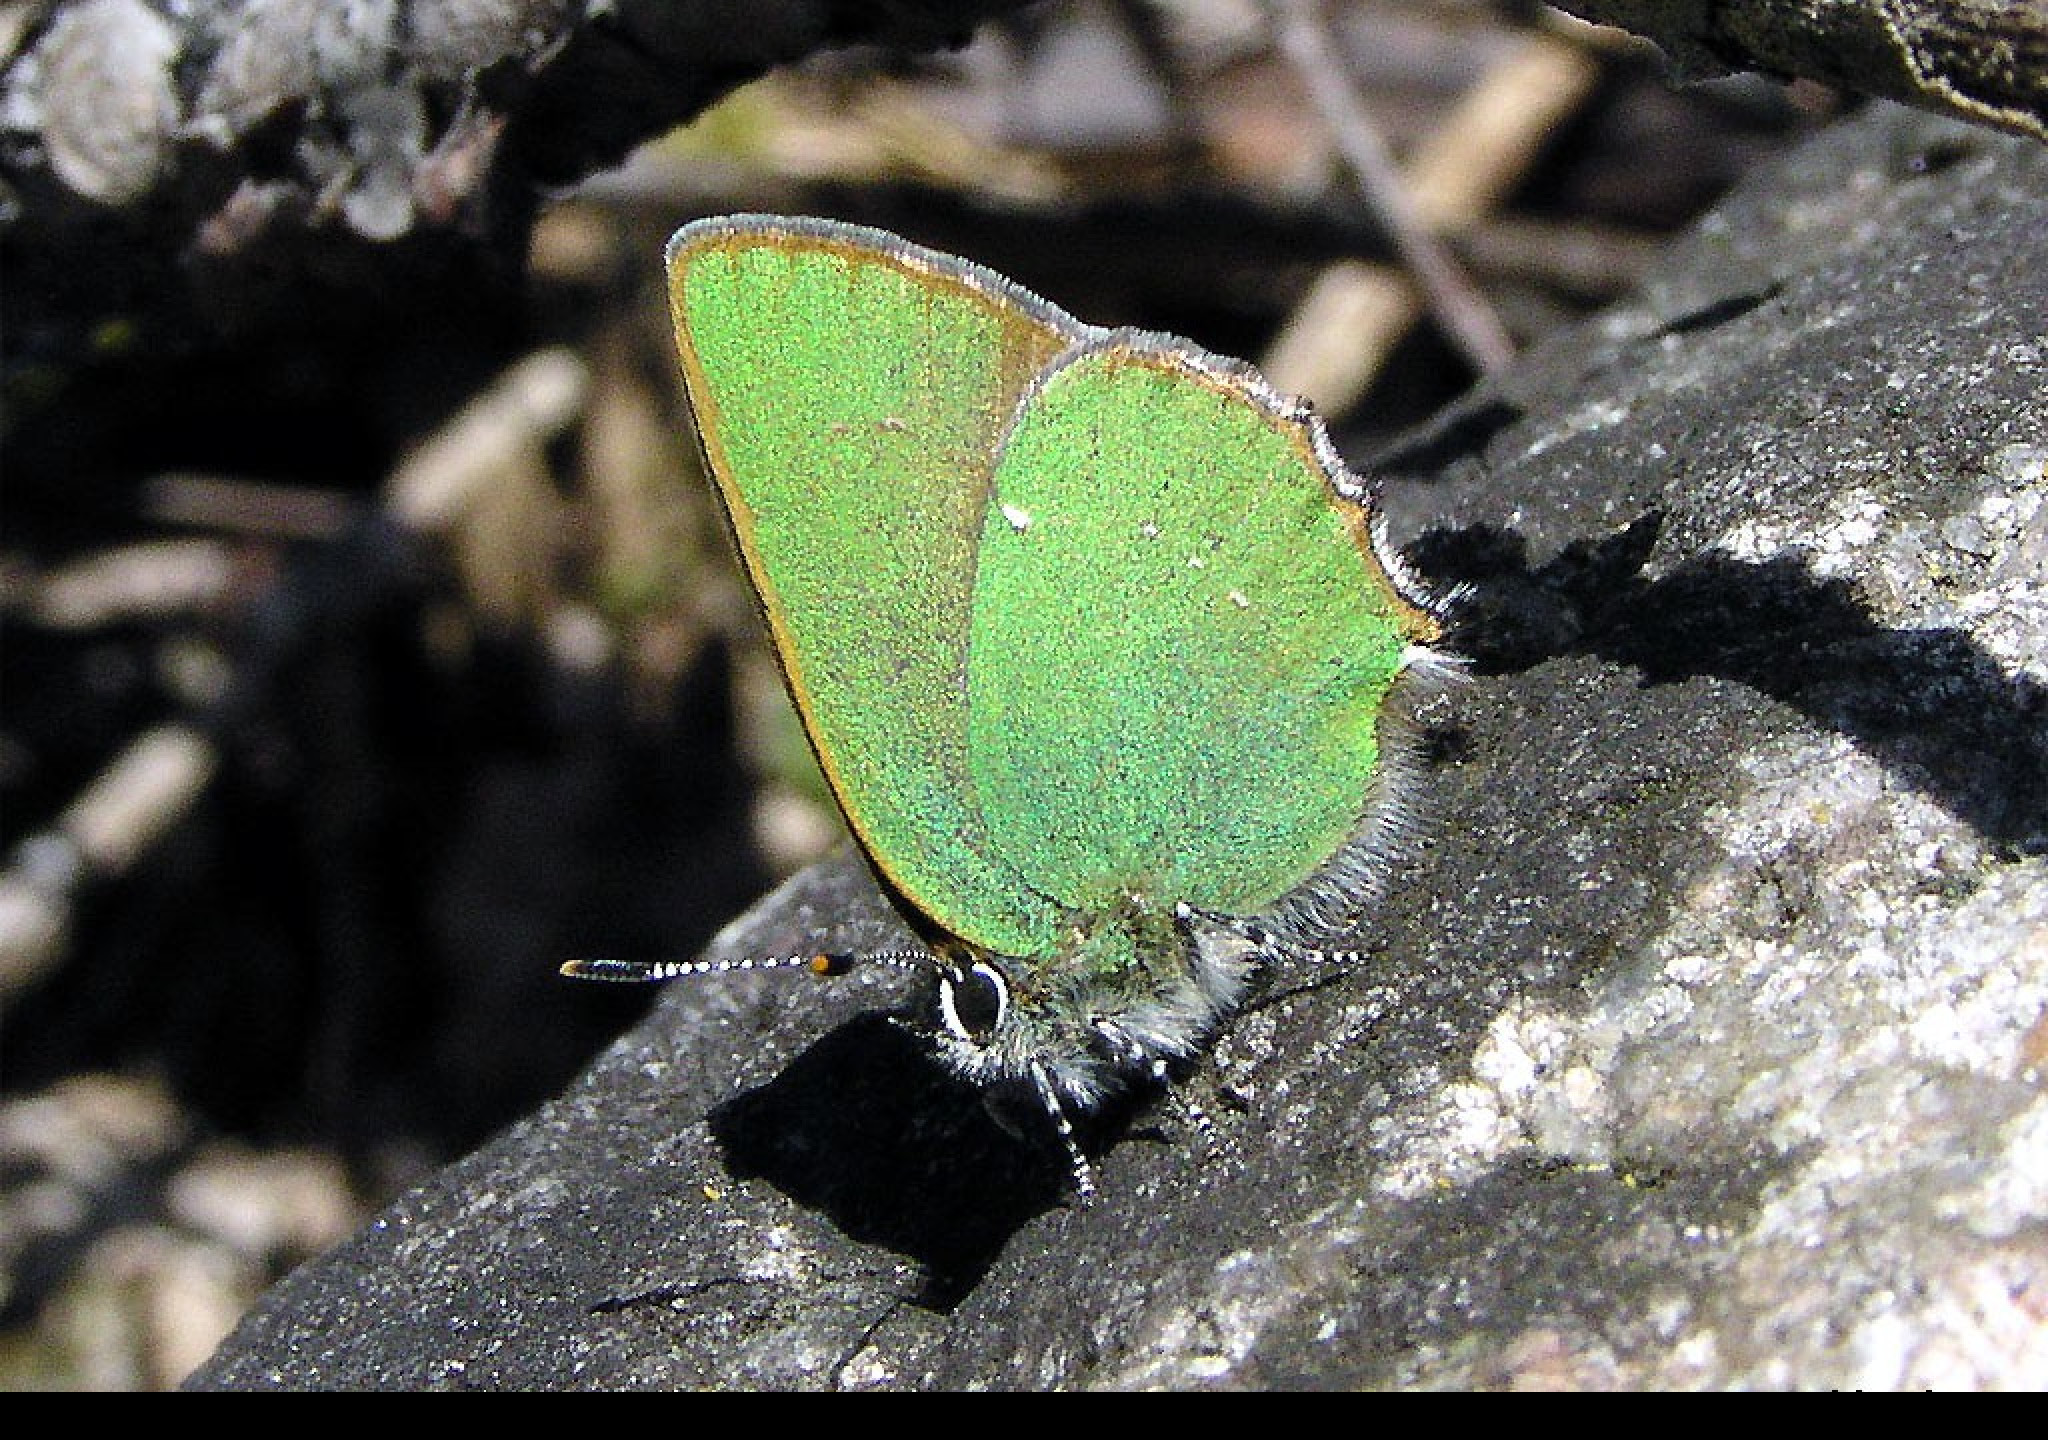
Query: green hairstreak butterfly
pixel 1091 631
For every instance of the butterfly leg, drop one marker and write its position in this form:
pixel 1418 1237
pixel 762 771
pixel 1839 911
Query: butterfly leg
pixel 1268 943
pixel 1190 1109
pixel 1131 1054
pixel 1079 1170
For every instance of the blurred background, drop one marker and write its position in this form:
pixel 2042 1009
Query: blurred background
pixel 353 679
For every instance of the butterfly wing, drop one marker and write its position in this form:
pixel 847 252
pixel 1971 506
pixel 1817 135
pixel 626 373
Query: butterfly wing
pixel 1182 637
pixel 850 392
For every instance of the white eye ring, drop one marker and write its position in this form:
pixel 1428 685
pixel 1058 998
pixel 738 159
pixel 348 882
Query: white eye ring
pixel 975 1001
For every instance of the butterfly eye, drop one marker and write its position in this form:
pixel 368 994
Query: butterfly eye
pixel 974 1000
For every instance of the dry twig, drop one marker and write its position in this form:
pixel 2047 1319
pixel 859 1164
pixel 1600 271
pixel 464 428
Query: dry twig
pixel 1341 334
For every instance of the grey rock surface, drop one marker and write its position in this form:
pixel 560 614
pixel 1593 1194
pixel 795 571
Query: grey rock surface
pixel 1702 1042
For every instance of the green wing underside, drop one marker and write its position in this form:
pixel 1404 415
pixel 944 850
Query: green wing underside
pixel 1178 663
pixel 849 401
pixel 1116 636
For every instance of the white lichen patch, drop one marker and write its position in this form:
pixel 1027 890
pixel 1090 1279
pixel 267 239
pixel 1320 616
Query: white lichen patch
pixel 779 1257
pixel 1602 414
pixel 1830 548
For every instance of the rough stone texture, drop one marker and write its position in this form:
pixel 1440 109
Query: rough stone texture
pixel 1702 1044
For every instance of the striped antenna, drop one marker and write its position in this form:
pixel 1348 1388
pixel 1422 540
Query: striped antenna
pixel 821 963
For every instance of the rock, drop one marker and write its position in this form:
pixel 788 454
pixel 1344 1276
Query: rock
pixel 1702 1043
pixel 109 109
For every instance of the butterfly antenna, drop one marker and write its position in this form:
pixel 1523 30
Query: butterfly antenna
pixel 819 963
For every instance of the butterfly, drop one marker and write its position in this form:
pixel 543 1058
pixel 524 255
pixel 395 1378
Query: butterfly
pixel 1094 635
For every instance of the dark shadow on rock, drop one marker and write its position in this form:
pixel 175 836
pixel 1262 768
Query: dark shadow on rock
pixel 1719 312
pixel 869 1129
pixel 1460 430
pixel 1931 705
